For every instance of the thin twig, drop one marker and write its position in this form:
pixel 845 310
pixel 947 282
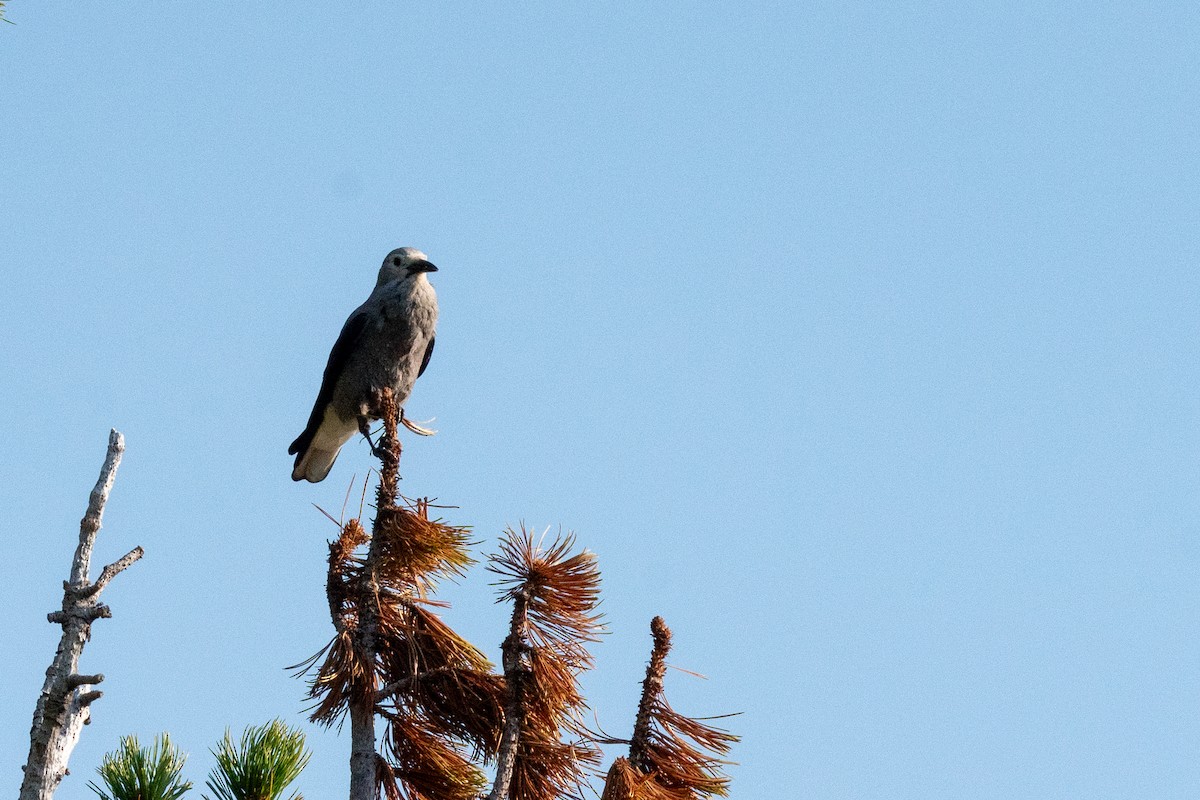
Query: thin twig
pixel 111 571
pixel 396 686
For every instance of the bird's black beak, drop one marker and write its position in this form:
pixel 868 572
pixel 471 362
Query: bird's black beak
pixel 421 266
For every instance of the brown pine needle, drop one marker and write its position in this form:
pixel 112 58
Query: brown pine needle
pixel 671 756
pixel 443 708
pixel 426 764
pixel 554 595
pixel 328 516
pixel 442 698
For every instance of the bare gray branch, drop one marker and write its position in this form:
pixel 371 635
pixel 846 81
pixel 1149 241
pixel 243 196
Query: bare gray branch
pixel 89 526
pixel 83 680
pixel 62 708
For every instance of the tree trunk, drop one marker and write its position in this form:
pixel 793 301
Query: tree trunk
pixel 63 706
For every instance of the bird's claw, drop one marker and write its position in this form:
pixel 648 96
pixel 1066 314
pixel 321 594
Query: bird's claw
pixel 414 427
pixel 364 427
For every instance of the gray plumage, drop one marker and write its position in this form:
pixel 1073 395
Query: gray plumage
pixel 386 342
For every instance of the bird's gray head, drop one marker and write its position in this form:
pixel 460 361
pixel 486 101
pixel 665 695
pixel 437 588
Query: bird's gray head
pixel 404 263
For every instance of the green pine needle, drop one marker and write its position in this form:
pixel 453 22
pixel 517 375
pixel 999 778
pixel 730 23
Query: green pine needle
pixel 133 772
pixel 268 758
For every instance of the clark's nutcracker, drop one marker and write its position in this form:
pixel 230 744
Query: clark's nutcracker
pixel 386 342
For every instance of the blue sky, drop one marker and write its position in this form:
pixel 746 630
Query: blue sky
pixel 859 343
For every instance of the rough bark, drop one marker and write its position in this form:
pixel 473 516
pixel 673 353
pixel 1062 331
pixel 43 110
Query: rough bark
pixel 364 783
pixel 63 706
pixel 515 652
pixel 362 753
pixel 652 688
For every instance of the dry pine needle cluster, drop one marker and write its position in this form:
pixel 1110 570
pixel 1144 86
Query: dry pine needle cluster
pixel 446 714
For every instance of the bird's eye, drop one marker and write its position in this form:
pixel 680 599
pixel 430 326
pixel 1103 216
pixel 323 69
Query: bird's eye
pixel 396 261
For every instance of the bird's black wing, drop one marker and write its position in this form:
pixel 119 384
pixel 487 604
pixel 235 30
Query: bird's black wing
pixel 425 359
pixel 338 356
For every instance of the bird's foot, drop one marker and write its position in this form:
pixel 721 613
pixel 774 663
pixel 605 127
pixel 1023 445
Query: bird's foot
pixel 414 427
pixel 364 427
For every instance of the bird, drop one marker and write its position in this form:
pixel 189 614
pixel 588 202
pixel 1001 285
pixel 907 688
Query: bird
pixel 385 343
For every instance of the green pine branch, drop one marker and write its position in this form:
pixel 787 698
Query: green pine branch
pixel 134 772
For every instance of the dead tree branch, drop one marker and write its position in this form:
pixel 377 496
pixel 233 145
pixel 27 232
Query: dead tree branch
pixel 554 594
pixel 671 756
pixel 515 652
pixel 363 758
pixel 393 660
pixel 62 707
